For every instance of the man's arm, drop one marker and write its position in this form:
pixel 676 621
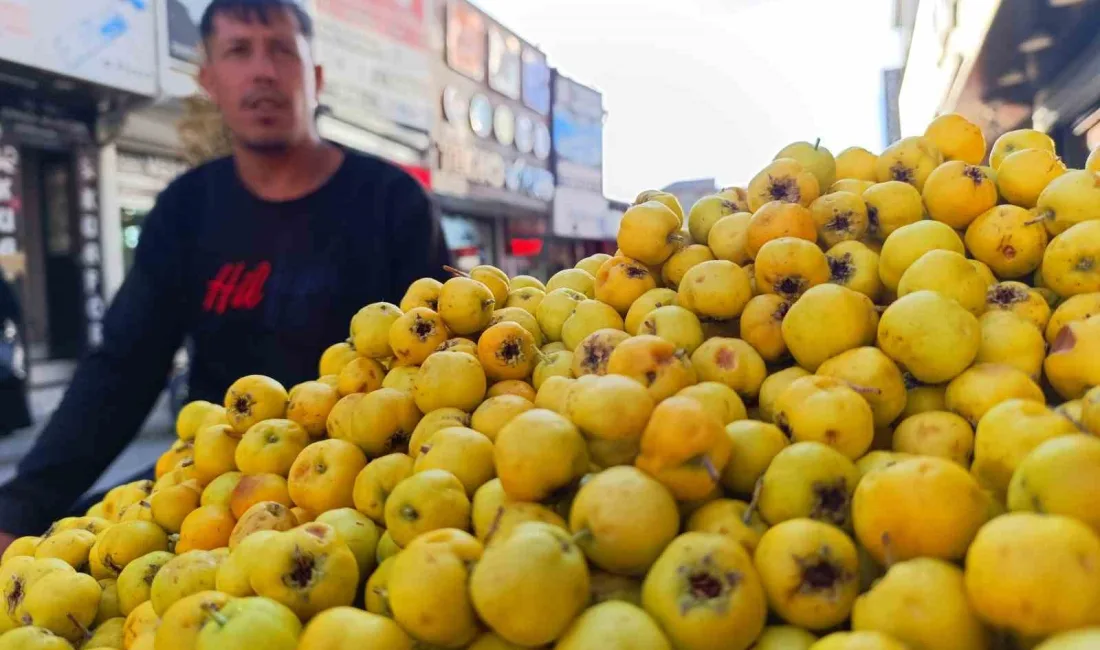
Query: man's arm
pixel 416 243
pixel 113 389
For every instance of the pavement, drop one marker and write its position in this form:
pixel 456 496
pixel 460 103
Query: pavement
pixel 155 436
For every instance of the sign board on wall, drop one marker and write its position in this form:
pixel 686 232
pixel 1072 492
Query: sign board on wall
pixel 377 61
pixel 580 208
pixel 107 42
pixel 91 252
pixel 466 46
pixel 183 18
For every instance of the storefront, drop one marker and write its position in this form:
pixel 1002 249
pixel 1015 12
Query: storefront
pixel 70 72
pixel 491 143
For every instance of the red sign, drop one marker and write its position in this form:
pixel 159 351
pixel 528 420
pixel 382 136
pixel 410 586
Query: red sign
pixel 422 174
pixel 526 247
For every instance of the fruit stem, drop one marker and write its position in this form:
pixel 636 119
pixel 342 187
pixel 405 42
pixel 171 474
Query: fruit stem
pixel 676 238
pixel 455 272
pixel 493 527
pixel 704 461
pixel 887 551
pixel 754 502
pixel 865 390
pixel 211 611
pixel 582 535
pixel 1040 217
pixel 817 143
pixel 84 631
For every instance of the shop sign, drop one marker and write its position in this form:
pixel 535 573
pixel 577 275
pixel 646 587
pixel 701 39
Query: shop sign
pixel 462 159
pixel 536 81
pixel 183 18
pixel 10 201
pixel 466 46
pixel 158 168
pixel 579 205
pixel 107 42
pixel 377 61
pixel 504 63
pixel 91 261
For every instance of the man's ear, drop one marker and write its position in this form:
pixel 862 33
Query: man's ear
pixel 206 81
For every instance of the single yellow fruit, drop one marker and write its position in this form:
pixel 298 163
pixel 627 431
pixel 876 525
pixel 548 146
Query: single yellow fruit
pixel 727 239
pixel 450 379
pixel 684 447
pixel 196 415
pixel 413 337
pixel 1007 433
pixel 983 386
pixel 673 270
pixel 612 625
pixel 1008 240
pixel 754 446
pixel 891 205
pixel 323 476
pixel 718 399
pixel 669 200
pixel 909 160
pixel 1059 477
pixel 647 302
pixel 786 180
pixel 370 330
pixel 1020 300
pixel 1035 574
pixel 528 299
pixel 310 404
pixel 611 407
pixel 706 212
pixel 907 244
pixel 649 232
pixel 1071 263
pixel 347 628
pixel 308 569
pixel 621 281
pixel 856 163
pixel 537 453
pixel 923 603
pixel 186 574
pixel 1018 140
pixel 839 216
pixel 957 138
pixel 1024 174
pixel 32 638
pixel 936 433
pixel 1069 200
pixel 1076 308
pixel 955 193
pixel 554 310
pixel 655 363
pixel 808 479
pixel 809 571
pixel 922 507
pixel 270 447
pixel 777 219
pixel 874 376
pixel 931 336
pixel 705 594
pixel 589 317
pixel 855 266
pixel 63 602
pixel 421 293
pixel 428 588
pixel 815 158
pixel 732 362
pixel 718 289
pixel 828 320
pixel 826 410
pixel 465 305
pixel 674 324
pixel 136 580
pixel 789 266
pixel 252 399
pixel 592 263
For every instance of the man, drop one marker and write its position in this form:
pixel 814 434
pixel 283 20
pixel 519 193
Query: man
pixel 260 259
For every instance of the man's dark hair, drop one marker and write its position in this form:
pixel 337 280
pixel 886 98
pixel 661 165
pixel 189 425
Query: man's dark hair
pixel 249 10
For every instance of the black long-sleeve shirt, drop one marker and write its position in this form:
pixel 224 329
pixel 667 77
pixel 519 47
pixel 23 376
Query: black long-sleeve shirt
pixel 258 287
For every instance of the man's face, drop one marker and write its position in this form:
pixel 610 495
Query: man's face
pixel 262 78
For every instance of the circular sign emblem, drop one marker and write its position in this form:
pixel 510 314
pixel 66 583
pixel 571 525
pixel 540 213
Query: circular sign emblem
pixel 481 116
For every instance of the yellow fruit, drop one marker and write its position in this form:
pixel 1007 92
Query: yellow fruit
pixel 1011 340
pixel 426 501
pixel 401 378
pixel 957 138
pixel 730 518
pixel 669 200
pixel 754 446
pixel 270 447
pixel 728 238
pixel 809 572
pixel 1035 574
pixel 507 351
pixel 646 303
pixel 1069 200
pixel 922 603
pixel 21 547
pixel 537 453
pixel 808 479
pixel 839 216
pixel 612 625
pixel 525 281
pixel 125 542
pixel 528 299
pixel 421 293
pixel 1076 308
pixel 136 580
pixel 495 516
pixel 718 399
pixel 70 546
pixel 1080 639
pixel 552 394
pixel 732 362
pixel 706 212
pixel 347 628
pixel 495 412
pixel 143 621
pixel 513 387
pixel 983 386
pixel 673 270
pixel 858 641
pixel 1018 140
pixel 909 160
pixel 814 158
pixel 716 289
pixel 63 602
pixel 182 576
pixel 761 323
pixel 308 569
pixel 684 447
pixel 655 363
pixel 516 315
pixel 465 305
pixel 359 534
pixel 450 379
pixel 890 206
pixel 309 405
pixel 323 476
pixel 826 410
pixel 215 451
pixel 788 266
pixel 955 193
pixel 619 282
pixel 622 519
pixel 705 594
pixel 1007 433
pixel 194 416
pixel 674 324
pixel 856 163
pixel 234 573
pixel 465 453
pixel 1059 477
pixel 649 232
pixel 592 263
pixel 107 634
pixel 785 637
pixel 850 315
pixel 555 309
pixel 775 220
pixel 413 337
pixel 255 488
pixel 931 336
pixel 428 590
pixel 205 528
pixel 252 399
pixel 219 491
pixel 874 376
pixel 852 185
pixel 376 481
pixel 1021 301
pixel 936 433
pixel 1024 174
pixel 589 316
pixel 434 421
pixel 370 330
pixel 1008 240
pixel 1070 263
pixel 907 244
pixel 494 278
pixel 611 407
pixel 855 266
pixel 786 180
pixel 576 280
pixel 920 507
pixel 265 515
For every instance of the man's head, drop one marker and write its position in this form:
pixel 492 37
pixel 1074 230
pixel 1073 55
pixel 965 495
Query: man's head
pixel 259 70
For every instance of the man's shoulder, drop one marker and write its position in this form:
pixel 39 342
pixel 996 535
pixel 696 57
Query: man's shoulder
pixel 371 171
pixel 196 180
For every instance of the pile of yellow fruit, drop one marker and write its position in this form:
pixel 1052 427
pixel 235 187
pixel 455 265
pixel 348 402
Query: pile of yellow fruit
pixel 848 407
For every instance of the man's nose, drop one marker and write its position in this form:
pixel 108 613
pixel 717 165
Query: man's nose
pixel 263 67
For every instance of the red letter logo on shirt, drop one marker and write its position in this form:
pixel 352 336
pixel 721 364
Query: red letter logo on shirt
pixel 235 288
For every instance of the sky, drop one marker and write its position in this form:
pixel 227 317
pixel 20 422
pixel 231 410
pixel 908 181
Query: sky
pixel 715 88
